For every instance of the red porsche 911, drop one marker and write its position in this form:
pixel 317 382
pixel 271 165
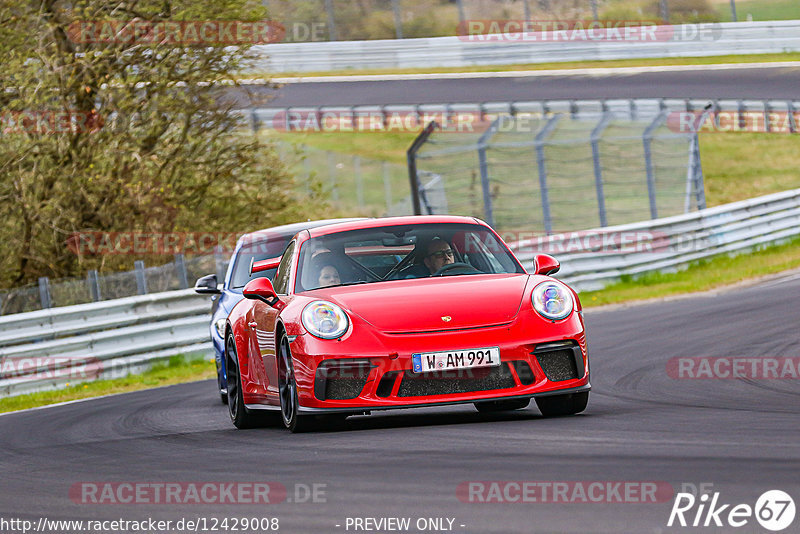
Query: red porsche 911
pixel 403 312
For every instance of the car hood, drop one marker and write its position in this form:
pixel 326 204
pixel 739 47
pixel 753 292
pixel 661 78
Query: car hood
pixel 433 304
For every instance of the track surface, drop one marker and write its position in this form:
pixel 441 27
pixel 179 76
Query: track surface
pixel 641 425
pixel 747 83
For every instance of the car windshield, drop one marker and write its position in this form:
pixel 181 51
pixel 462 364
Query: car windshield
pixel 401 252
pixel 257 250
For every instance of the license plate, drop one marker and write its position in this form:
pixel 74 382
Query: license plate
pixel 456 359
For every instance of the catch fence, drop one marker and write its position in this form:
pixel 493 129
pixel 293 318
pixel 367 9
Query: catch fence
pixel 548 171
pixel 142 280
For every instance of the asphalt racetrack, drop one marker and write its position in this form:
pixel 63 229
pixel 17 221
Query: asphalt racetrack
pixel 695 82
pixel 740 435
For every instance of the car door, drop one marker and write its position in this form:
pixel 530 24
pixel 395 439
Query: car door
pixel 264 333
pixel 266 319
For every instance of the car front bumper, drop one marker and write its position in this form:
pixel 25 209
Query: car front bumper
pixel 351 375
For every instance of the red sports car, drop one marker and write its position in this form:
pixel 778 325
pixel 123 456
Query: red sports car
pixel 403 312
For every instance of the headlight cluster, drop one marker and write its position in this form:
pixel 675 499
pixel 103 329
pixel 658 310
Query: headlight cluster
pixel 552 300
pixel 324 319
pixel 219 324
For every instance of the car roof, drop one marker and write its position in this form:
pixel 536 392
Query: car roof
pixel 288 230
pixel 360 224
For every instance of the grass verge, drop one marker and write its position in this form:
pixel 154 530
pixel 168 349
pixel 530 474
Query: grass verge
pixel 176 371
pixel 703 275
pixel 760 10
pixel 738 166
pixel 384 146
pixel 566 65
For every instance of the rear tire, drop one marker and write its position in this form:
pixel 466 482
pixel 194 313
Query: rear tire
pixel 241 417
pixel 558 405
pixel 502 406
pixel 221 382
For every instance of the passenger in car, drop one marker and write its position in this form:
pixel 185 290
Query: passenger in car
pixel 327 272
pixel 329 276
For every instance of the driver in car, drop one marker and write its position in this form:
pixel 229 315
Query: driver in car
pixel 438 253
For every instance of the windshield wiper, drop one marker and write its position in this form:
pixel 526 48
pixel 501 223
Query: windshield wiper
pixel 357 282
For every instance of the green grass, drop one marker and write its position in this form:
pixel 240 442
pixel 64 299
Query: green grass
pixel 384 146
pixel 738 166
pixel 702 275
pixel 760 10
pixel 178 370
pixel 713 60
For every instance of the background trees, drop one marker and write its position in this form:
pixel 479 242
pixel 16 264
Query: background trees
pixel 123 136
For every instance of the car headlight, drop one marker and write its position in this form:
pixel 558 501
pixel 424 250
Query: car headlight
pixel 219 324
pixel 324 319
pixel 552 300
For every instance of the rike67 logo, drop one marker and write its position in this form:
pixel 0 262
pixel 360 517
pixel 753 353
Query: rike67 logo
pixel 774 510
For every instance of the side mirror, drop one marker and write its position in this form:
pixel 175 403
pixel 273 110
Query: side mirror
pixel 261 289
pixel 546 264
pixel 207 285
pixel 264 265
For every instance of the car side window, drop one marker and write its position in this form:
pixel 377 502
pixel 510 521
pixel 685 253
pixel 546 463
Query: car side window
pixel 281 280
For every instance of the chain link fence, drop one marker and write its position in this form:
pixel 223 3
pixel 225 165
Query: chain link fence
pixel 142 280
pixel 553 172
pixel 354 185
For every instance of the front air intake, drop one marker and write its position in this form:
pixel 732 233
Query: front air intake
pixel 341 379
pixel 560 361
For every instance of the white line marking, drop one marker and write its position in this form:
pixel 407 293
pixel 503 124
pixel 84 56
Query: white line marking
pixel 593 71
pixel 76 401
pixel 781 280
pixel 761 281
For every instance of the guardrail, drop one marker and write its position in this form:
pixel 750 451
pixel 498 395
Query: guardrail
pixel 292 118
pixel 688 40
pixel 591 259
pixel 47 349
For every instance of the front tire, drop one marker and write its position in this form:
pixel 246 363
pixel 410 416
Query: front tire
pixel 290 406
pixel 558 405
